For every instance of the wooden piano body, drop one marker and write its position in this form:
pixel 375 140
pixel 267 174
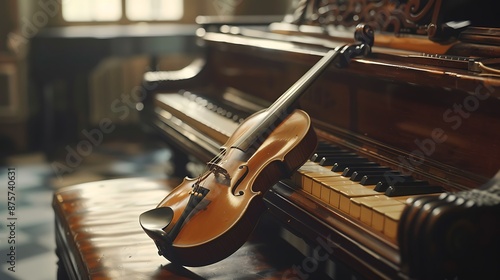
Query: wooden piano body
pixel 424 104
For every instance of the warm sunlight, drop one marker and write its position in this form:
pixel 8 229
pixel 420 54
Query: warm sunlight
pixel 154 9
pixel 91 10
pixel 112 10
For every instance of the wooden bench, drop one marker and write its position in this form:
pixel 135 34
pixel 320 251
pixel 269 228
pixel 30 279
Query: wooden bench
pixel 99 237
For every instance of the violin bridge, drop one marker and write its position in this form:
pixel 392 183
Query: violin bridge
pixel 221 174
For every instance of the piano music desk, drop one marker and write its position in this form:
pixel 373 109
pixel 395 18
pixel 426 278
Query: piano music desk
pixel 98 236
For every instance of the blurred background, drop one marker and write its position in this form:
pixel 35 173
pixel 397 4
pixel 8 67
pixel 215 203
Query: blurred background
pixel 68 70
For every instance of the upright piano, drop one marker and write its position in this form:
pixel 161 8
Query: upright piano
pixel 403 183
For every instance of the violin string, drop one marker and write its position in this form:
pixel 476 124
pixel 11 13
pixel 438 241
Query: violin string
pixel 273 113
pixel 206 169
pixel 279 108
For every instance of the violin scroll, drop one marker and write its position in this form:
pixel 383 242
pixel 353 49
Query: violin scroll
pixel 364 37
pixel 364 34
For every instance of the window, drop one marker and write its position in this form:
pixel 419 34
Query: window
pixel 154 10
pixel 91 10
pixel 112 10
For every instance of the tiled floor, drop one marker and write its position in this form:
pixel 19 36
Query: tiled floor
pixel 36 181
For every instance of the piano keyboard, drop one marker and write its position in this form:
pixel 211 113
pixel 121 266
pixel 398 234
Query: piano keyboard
pixel 201 114
pixel 358 187
pixel 340 179
pixel 203 119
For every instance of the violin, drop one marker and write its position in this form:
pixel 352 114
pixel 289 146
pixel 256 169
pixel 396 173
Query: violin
pixel 206 219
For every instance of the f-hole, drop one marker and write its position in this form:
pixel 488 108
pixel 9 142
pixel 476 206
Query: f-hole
pixel 242 173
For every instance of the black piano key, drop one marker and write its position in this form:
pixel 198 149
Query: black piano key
pixel 217 105
pixel 412 190
pixel 326 161
pixel 359 174
pixel 375 179
pixel 340 166
pixel 382 186
pixel 316 157
pixel 348 171
pixel 325 148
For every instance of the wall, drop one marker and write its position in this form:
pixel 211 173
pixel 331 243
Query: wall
pixel 14 106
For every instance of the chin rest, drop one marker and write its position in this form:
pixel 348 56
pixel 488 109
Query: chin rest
pixel 99 236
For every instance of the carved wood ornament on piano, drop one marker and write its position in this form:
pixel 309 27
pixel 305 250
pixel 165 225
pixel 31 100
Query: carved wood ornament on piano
pixel 205 219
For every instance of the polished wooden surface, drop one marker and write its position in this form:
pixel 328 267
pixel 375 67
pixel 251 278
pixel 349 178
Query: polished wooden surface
pixel 99 237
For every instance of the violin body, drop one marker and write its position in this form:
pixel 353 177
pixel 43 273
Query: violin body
pixel 206 219
pixel 225 203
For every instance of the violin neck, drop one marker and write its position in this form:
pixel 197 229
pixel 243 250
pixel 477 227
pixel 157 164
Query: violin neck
pixel 281 108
